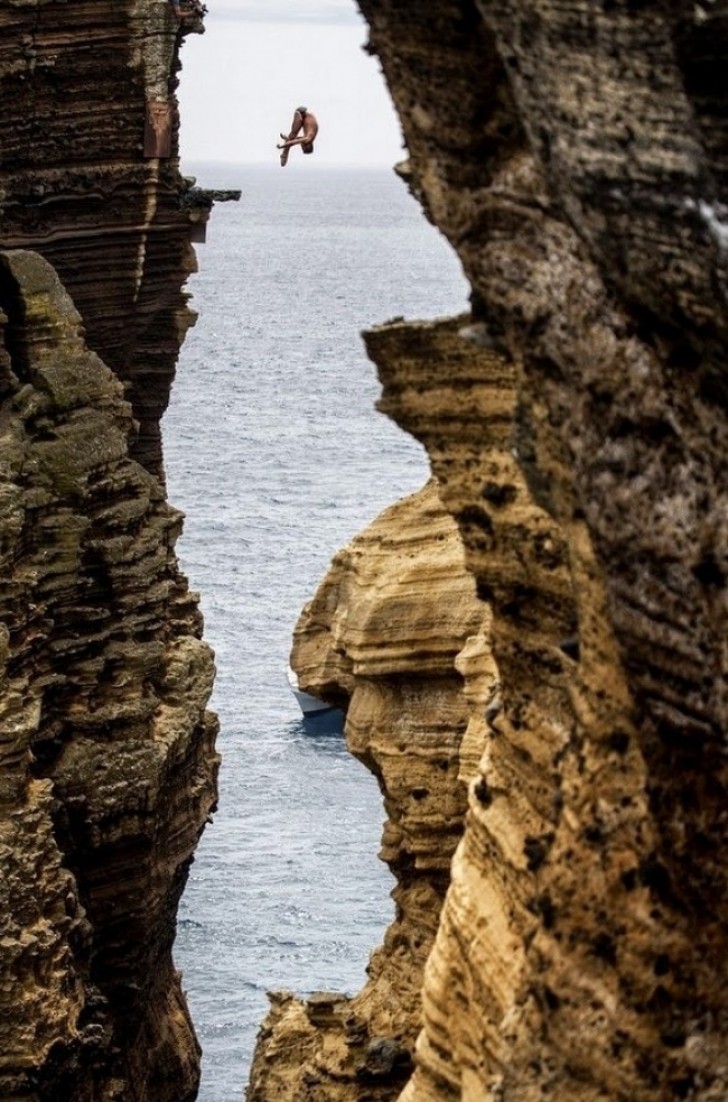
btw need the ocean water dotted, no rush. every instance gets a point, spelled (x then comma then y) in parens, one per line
(277, 456)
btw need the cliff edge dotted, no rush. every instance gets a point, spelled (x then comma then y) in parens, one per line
(108, 761)
(575, 157)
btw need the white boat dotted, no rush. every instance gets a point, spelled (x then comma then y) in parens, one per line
(309, 705)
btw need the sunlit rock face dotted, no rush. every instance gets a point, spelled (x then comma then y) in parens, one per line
(540, 805)
(381, 636)
(575, 157)
(108, 763)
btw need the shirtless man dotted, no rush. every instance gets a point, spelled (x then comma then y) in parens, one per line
(303, 120)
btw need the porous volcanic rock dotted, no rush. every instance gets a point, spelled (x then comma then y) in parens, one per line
(108, 770)
(380, 637)
(108, 762)
(575, 157)
(77, 185)
(574, 154)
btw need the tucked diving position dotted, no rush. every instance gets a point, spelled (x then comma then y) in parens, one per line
(304, 129)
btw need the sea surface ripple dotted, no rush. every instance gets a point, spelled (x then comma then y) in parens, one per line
(275, 452)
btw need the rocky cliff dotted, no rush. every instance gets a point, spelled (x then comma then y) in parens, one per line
(95, 188)
(108, 762)
(575, 157)
(546, 715)
(380, 637)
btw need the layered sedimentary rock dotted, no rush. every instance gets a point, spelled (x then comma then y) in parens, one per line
(108, 763)
(380, 637)
(540, 803)
(89, 178)
(574, 155)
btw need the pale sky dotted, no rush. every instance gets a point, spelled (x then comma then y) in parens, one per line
(259, 59)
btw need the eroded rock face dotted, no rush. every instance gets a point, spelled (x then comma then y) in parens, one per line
(76, 185)
(542, 803)
(574, 155)
(108, 763)
(108, 770)
(380, 637)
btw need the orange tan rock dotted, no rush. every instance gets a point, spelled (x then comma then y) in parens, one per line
(380, 636)
(574, 156)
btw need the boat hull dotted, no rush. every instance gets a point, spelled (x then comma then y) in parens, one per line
(309, 705)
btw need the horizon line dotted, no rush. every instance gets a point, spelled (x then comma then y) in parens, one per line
(389, 167)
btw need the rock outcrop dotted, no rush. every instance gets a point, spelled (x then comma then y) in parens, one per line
(89, 178)
(380, 637)
(108, 762)
(573, 910)
(575, 157)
